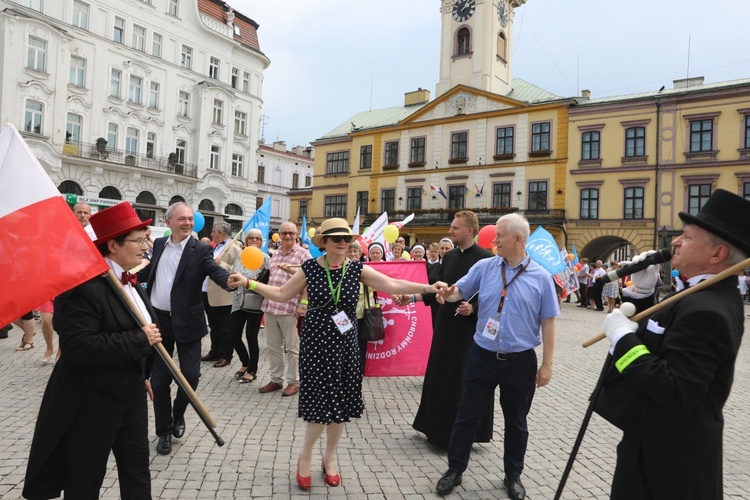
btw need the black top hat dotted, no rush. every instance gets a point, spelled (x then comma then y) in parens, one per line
(727, 216)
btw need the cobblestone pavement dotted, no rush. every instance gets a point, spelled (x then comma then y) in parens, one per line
(380, 455)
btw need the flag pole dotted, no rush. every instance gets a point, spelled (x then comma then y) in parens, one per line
(179, 378)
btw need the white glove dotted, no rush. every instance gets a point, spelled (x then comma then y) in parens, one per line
(644, 282)
(616, 326)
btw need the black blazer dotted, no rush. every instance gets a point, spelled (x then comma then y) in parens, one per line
(104, 349)
(197, 262)
(672, 398)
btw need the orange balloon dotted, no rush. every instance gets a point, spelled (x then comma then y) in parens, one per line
(628, 283)
(252, 258)
(571, 257)
(275, 237)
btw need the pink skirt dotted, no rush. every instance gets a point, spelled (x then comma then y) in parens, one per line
(47, 307)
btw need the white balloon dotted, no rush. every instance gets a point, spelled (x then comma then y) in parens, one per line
(628, 309)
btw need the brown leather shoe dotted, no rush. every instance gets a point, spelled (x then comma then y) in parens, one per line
(222, 363)
(270, 387)
(290, 390)
(209, 357)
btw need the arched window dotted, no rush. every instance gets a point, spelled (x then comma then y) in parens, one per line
(502, 47)
(463, 42)
(70, 187)
(110, 193)
(206, 205)
(176, 199)
(145, 198)
(233, 209)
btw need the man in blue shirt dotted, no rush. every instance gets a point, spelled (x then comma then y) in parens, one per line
(516, 298)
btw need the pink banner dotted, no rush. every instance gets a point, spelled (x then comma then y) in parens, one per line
(408, 329)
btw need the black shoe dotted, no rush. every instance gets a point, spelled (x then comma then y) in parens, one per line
(178, 427)
(450, 480)
(164, 446)
(516, 491)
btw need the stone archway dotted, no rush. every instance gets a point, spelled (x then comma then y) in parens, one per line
(606, 246)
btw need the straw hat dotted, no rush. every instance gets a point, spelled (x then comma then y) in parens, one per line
(115, 221)
(333, 227)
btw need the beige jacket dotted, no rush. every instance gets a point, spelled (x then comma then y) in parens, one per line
(217, 296)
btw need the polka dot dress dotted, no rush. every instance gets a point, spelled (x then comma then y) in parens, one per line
(330, 379)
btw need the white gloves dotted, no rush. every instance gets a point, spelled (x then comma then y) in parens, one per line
(616, 326)
(644, 282)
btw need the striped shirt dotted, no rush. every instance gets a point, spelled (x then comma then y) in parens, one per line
(296, 256)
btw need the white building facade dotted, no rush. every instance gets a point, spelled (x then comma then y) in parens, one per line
(281, 171)
(147, 101)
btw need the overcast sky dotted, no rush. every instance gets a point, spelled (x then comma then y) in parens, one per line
(331, 59)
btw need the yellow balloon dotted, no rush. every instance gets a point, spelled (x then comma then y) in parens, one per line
(311, 232)
(275, 237)
(572, 257)
(390, 233)
(405, 255)
(252, 258)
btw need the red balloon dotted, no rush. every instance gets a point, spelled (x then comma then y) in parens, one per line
(486, 237)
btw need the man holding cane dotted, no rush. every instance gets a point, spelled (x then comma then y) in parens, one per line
(671, 373)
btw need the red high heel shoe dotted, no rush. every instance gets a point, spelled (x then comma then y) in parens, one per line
(330, 480)
(304, 482)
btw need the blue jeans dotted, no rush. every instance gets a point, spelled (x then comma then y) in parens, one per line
(517, 381)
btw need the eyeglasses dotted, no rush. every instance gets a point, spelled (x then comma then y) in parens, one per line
(139, 241)
(288, 233)
(337, 239)
(254, 238)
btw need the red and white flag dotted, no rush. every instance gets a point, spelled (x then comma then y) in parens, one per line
(45, 250)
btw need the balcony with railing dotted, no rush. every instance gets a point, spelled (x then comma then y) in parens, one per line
(100, 152)
(444, 216)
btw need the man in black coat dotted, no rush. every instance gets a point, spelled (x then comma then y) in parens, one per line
(671, 373)
(175, 278)
(453, 335)
(95, 400)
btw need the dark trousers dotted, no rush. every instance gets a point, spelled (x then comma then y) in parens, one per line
(218, 321)
(517, 381)
(251, 321)
(190, 366)
(106, 422)
(628, 481)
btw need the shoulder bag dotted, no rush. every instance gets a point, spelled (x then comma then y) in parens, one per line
(372, 321)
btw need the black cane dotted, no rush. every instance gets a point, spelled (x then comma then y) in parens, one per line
(179, 379)
(584, 425)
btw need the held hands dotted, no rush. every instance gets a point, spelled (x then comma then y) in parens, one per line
(152, 333)
(236, 280)
(644, 282)
(617, 325)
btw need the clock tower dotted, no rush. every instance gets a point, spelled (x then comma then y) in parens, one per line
(476, 44)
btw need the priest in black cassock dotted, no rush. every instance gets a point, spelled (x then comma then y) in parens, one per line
(452, 336)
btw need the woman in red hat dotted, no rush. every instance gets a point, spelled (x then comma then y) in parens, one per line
(95, 401)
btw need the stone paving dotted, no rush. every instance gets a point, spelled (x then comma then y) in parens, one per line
(380, 455)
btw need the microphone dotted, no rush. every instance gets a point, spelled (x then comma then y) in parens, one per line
(660, 256)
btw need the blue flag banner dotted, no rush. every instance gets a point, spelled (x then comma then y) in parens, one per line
(304, 237)
(261, 220)
(544, 251)
(575, 261)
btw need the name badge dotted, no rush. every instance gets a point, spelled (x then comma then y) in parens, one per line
(491, 329)
(342, 321)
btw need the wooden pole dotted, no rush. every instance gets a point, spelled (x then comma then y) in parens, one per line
(179, 378)
(734, 270)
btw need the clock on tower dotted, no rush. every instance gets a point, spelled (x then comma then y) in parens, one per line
(464, 9)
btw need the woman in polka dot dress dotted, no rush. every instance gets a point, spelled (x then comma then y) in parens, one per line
(331, 384)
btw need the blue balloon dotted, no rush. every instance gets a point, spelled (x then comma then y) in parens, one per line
(198, 222)
(675, 272)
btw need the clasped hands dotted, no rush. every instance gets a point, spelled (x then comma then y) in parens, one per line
(236, 280)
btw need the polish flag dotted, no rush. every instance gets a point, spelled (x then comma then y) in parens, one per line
(45, 250)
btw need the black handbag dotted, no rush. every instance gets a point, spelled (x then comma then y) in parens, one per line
(372, 321)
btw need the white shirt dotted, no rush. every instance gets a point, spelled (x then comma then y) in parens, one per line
(90, 231)
(161, 293)
(217, 250)
(132, 293)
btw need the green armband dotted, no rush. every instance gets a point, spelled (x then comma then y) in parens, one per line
(630, 356)
(303, 302)
(252, 285)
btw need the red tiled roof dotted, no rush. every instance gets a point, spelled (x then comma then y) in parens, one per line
(218, 9)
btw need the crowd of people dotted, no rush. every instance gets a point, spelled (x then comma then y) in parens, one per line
(490, 310)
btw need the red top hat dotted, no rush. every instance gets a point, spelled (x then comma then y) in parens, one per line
(116, 221)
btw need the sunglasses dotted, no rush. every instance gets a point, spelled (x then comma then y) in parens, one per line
(337, 239)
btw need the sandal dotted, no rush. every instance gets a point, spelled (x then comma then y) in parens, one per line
(25, 346)
(240, 373)
(247, 378)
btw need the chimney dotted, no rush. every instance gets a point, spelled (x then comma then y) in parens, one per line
(586, 94)
(684, 83)
(419, 96)
(279, 145)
